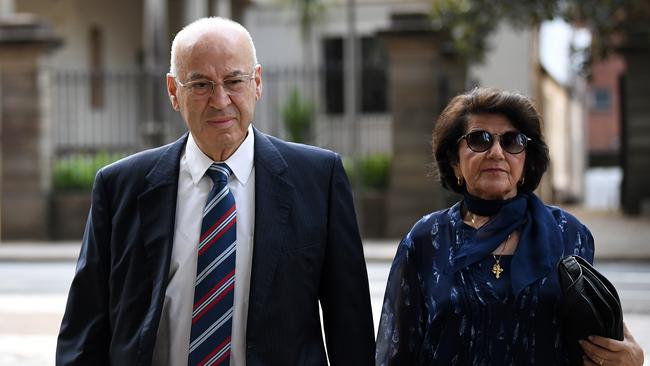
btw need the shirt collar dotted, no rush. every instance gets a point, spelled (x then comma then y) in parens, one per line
(240, 162)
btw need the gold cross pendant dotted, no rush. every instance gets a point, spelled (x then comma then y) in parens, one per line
(496, 269)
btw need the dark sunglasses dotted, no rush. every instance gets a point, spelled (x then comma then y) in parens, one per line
(512, 142)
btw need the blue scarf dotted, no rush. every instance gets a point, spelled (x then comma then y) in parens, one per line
(539, 245)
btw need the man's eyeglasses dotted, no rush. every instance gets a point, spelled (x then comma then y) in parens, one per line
(204, 88)
(512, 142)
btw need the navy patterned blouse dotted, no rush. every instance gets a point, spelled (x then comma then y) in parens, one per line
(434, 316)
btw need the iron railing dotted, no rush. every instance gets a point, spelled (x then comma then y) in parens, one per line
(89, 112)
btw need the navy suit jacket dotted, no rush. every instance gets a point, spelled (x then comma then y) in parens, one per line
(306, 248)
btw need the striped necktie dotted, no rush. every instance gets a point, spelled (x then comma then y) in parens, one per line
(215, 275)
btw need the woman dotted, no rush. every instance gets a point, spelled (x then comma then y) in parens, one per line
(476, 283)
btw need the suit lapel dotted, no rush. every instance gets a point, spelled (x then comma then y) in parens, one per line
(157, 209)
(273, 199)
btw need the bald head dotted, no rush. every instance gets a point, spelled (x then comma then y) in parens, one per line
(213, 30)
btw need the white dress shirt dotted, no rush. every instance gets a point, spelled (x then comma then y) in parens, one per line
(173, 338)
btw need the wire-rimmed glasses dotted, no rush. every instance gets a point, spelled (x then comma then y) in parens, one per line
(204, 88)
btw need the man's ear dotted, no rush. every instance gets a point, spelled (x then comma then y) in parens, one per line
(258, 81)
(172, 91)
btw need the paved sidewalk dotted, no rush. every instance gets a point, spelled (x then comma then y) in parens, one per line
(39, 251)
(617, 237)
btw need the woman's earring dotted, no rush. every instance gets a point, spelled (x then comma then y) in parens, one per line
(521, 182)
(459, 180)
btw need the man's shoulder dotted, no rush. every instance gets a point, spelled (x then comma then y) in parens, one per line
(287, 148)
(300, 158)
(140, 163)
(134, 163)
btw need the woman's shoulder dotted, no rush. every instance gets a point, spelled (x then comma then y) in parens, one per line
(564, 218)
(444, 216)
(577, 237)
(433, 223)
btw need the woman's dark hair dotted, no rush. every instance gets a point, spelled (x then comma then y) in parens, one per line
(519, 111)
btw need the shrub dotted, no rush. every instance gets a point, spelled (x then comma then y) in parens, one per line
(298, 115)
(77, 172)
(375, 171)
(372, 170)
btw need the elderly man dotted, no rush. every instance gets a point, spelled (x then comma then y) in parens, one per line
(216, 249)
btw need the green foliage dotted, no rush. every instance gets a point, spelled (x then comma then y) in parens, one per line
(298, 115)
(608, 20)
(373, 171)
(471, 21)
(348, 166)
(309, 12)
(77, 172)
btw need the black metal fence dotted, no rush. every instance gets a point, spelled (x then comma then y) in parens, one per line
(89, 112)
(94, 119)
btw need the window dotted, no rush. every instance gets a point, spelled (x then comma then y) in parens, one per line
(601, 100)
(333, 51)
(373, 79)
(96, 67)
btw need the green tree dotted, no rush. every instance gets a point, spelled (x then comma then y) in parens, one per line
(610, 21)
(309, 12)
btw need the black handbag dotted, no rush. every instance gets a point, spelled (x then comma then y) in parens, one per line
(590, 305)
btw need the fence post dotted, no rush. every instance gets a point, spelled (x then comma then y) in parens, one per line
(635, 118)
(423, 77)
(23, 140)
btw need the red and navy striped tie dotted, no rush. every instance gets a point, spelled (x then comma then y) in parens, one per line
(215, 275)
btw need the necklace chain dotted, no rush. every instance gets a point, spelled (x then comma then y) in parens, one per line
(496, 268)
(472, 218)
